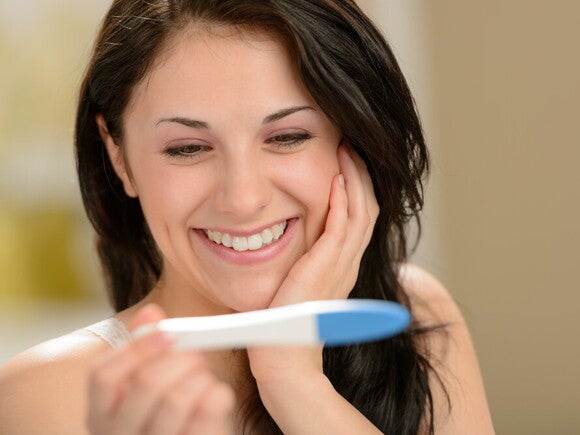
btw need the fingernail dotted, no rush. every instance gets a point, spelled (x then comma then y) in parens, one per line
(341, 179)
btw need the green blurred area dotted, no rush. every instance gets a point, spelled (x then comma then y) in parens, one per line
(45, 248)
(37, 259)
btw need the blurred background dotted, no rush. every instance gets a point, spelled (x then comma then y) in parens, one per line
(497, 84)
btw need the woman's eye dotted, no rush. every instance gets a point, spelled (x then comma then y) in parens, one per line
(288, 141)
(185, 151)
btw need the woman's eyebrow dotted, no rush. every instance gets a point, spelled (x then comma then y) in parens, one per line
(285, 112)
(188, 122)
(194, 123)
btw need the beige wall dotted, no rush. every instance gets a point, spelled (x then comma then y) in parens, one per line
(504, 111)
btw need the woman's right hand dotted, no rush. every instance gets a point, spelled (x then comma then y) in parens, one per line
(146, 387)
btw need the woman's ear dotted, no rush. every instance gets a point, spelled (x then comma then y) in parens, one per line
(117, 157)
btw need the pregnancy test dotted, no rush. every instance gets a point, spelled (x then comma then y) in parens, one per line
(332, 323)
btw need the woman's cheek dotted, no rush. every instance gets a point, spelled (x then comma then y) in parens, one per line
(307, 177)
(170, 193)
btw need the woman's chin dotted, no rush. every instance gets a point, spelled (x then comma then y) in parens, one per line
(250, 295)
(259, 301)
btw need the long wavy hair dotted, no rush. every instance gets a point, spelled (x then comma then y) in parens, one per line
(351, 72)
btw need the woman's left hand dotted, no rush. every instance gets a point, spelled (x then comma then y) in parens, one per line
(327, 271)
(330, 269)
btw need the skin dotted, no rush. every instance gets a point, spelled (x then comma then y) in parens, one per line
(246, 175)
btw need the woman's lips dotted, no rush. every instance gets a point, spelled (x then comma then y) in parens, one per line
(249, 257)
(248, 241)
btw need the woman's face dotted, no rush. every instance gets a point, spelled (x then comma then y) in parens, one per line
(232, 162)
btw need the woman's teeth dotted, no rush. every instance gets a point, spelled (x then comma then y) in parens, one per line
(250, 243)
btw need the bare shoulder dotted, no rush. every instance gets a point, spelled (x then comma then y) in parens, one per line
(451, 354)
(42, 390)
(430, 300)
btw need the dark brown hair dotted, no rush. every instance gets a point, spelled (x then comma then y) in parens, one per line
(351, 72)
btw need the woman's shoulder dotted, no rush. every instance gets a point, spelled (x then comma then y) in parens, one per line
(44, 387)
(434, 310)
(450, 353)
(430, 301)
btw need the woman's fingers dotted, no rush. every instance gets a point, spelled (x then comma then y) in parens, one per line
(198, 402)
(149, 387)
(368, 204)
(330, 268)
(354, 187)
(362, 211)
(372, 205)
(213, 414)
(177, 407)
(150, 313)
(348, 216)
(362, 205)
(110, 376)
(327, 249)
(337, 219)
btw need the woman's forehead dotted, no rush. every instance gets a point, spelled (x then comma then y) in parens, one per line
(221, 67)
(202, 42)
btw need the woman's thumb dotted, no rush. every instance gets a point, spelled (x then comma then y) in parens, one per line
(150, 313)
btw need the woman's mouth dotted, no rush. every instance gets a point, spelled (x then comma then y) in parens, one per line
(249, 247)
(251, 242)
(246, 248)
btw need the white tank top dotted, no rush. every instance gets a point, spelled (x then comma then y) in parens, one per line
(111, 330)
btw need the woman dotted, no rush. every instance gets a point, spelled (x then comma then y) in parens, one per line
(240, 155)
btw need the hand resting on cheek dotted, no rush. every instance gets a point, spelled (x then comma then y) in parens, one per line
(328, 271)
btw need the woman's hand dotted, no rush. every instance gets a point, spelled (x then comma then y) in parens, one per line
(147, 387)
(330, 269)
(290, 380)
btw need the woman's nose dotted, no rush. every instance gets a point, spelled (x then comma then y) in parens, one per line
(244, 190)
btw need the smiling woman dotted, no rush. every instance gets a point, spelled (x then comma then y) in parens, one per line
(239, 152)
(242, 155)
